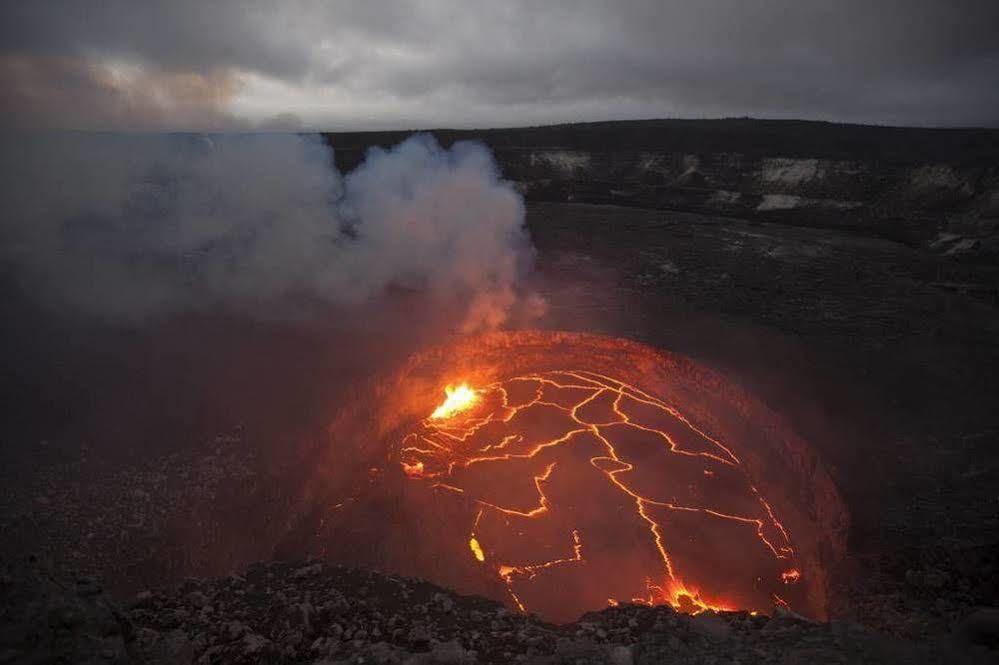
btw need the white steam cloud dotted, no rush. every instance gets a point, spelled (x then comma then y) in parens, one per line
(131, 227)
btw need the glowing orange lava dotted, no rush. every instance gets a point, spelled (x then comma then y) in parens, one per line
(473, 544)
(458, 399)
(574, 473)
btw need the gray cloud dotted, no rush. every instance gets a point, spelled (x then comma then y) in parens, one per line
(52, 91)
(432, 63)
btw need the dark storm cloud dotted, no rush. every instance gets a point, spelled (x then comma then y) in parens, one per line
(169, 34)
(359, 64)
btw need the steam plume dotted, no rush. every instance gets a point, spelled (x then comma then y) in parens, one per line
(132, 227)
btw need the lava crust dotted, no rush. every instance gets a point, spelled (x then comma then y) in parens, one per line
(561, 473)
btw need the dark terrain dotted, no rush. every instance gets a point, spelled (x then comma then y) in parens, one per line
(845, 275)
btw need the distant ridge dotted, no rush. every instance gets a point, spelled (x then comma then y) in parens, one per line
(747, 136)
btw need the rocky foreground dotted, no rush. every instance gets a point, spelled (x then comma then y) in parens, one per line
(311, 612)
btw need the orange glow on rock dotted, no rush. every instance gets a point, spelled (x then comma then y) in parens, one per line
(690, 601)
(791, 576)
(414, 470)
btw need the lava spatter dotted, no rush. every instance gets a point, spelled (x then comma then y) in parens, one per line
(589, 491)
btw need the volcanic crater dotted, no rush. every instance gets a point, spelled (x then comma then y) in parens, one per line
(844, 384)
(564, 472)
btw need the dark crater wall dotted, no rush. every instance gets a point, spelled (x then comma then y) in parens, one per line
(937, 188)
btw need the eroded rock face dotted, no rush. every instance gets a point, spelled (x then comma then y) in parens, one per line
(899, 183)
(913, 202)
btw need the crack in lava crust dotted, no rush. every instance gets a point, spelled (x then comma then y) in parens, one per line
(588, 486)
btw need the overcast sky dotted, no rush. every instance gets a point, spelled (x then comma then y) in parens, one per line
(283, 64)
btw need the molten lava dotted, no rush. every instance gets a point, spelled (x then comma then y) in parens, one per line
(589, 491)
(458, 399)
(637, 475)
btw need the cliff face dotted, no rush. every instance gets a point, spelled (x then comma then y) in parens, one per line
(937, 189)
(950, 208)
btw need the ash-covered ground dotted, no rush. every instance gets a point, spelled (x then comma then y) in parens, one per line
(876, 338)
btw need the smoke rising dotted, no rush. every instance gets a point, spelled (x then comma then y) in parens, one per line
(137, 227)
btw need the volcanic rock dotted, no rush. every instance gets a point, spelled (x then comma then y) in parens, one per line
(360, 616)
(53, 617)
(982, 626)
